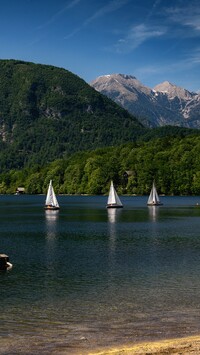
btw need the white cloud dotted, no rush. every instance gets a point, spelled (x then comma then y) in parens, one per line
(136, 36)
(195, 56)
(186, 16)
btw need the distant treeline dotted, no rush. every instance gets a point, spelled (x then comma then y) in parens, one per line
(173, 162)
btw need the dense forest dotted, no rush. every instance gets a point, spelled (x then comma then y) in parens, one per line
(173, 162)
(47, 113)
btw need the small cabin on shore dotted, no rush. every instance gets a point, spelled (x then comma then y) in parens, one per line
(20, 191)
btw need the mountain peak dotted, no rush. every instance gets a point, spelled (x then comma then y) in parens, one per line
(121, 84)
(173, 91)
(166, 86)
(164, 105)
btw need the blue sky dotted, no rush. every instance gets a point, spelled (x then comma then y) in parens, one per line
(154, 40)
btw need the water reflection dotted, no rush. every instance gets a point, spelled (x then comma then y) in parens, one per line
(112, 214)
(51, 223)
(113, 218)
(153, 213)
(51, 218)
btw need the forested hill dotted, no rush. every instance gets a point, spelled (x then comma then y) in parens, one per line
(48, 112)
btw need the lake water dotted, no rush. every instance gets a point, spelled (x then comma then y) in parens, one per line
(86, 277)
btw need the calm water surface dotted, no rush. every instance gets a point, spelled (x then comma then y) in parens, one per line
(87, 277)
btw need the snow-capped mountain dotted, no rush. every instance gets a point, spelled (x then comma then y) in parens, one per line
(165, 104)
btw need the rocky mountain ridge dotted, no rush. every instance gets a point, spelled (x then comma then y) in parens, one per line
(165, 104)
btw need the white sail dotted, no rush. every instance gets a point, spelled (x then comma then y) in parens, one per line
(51, 199)
(113, 198)
(153, 197)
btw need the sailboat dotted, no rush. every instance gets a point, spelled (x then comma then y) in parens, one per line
(153, 199)
(51, 202)
(113, 198)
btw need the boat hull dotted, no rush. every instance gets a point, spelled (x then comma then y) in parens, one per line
(52, 208)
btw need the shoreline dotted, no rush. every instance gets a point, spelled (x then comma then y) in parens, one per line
(177, 346)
